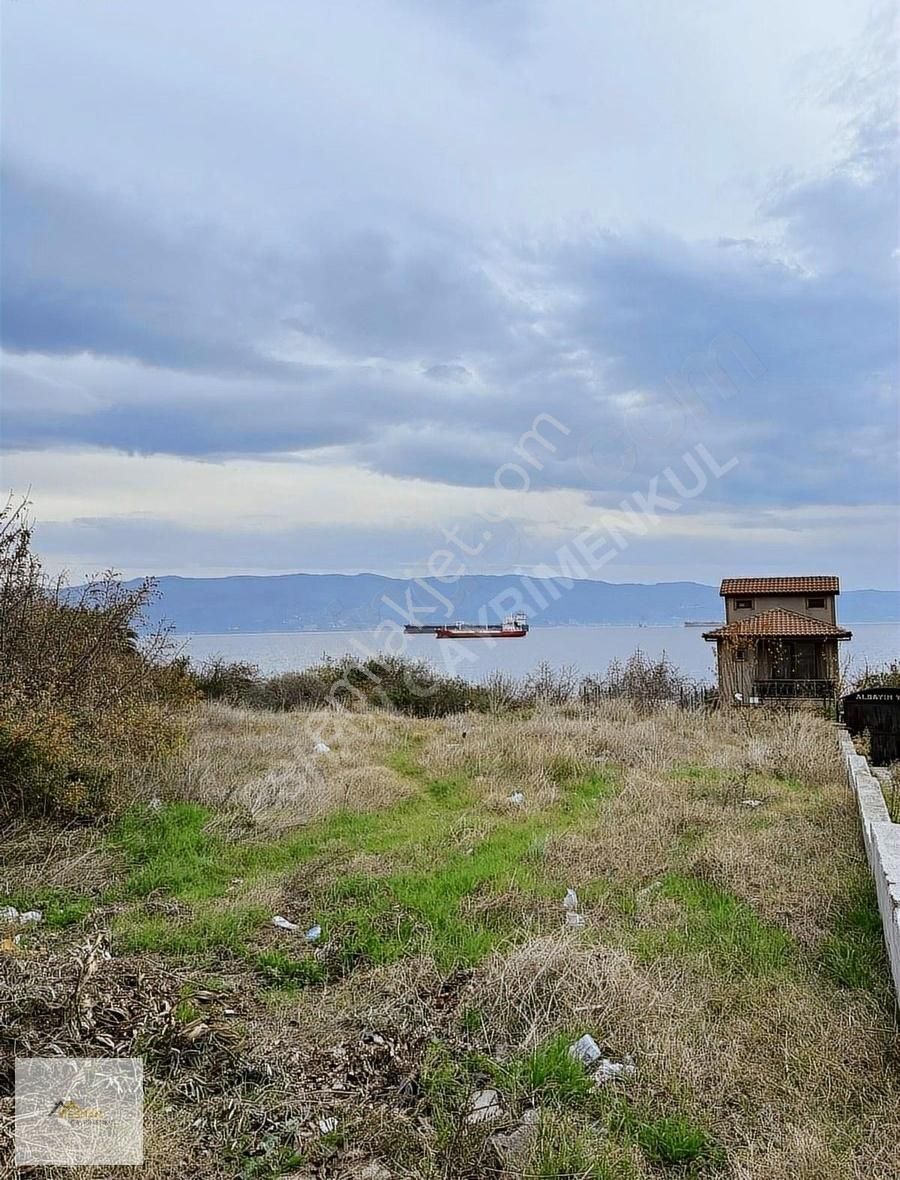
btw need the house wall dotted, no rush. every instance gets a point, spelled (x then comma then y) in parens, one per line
(736, 675)
(793, 602)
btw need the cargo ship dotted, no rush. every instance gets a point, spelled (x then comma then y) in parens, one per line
(512, 627)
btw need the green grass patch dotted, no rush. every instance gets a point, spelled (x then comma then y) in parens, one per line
(853, 954)
(549, 1075)
(286, 972)
(566, 1151)
(430, 904)
(716, 924)
(60, 907)
(698, 774)
(204, 932)
(169, 850)
(675, 1140)
(420, 909)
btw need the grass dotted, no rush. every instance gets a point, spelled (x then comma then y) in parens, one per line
(735, 954)
(853, 954)
(722, 930)
(675, 1140)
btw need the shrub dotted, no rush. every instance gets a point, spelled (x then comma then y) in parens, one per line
(83, 702)
(643, 681)
(883, 676)
(234, 683)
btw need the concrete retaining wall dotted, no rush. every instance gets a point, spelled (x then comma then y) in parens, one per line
(882, 842)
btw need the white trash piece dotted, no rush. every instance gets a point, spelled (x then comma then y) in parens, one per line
(752, 802)
(570, 901)
(322, 748)
(484, 1107)
(313, 934)
(155, 803)
(328, 1126)
(611, 1071)
(284, 924)
(574, 921)
(8, 915)
(586, 1050)
(30, 917)
(516, 797)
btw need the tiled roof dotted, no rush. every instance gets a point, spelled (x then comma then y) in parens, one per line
(778, 624)
(818, 584)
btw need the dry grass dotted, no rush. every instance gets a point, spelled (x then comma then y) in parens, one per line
(264, 766)
(728, 948)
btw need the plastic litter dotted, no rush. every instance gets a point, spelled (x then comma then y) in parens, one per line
(570, 901)
(10, 916)
(610, 1071)
(484, 1107)
(283, 923)
(327, 1126)
(752, 802)
(586, 1050)
(516, 797)
(313, 934)
(322, 748)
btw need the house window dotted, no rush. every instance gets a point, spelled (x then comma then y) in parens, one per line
(743, 604)
(815, 603)
(796, 659)
(741, 653)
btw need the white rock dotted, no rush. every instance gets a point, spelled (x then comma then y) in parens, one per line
(484, 1107)
(30, 917)
(322, 748)
(516, 797)
(8, 914)
(574, 921)
(283, 923)
(586, 1050)
(570, 901)
(313, 934)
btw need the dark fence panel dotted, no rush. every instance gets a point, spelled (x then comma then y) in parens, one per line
(878, 711)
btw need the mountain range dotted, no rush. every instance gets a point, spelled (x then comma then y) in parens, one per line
(325, 602)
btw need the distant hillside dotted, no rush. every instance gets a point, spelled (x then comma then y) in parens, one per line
(323, 602)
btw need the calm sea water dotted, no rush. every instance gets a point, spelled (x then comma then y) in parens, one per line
(587, 649)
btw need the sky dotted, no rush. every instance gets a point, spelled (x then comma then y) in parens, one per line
(286, 285)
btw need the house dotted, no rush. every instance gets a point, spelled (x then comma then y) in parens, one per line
(780, 640)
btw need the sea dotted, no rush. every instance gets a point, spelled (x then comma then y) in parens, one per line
(587, 650)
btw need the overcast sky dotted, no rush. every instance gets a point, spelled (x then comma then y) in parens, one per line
(285, 282)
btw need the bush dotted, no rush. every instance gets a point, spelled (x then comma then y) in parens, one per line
(235, 683)
(84, 704)
(643, 681)
(417, 690)
(885, 676)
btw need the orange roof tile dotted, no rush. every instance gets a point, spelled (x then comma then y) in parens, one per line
(816, 584)
(778, 624)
